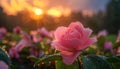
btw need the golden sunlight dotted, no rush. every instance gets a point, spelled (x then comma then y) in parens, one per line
(38, 11)
(54, 12)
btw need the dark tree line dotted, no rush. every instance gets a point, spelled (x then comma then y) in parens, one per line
(112, 17)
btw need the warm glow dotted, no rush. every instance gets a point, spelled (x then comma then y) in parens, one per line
(66, 12)
(35, 8)
(54, 12)
(39, 3)
(38, 11)
(58, 11)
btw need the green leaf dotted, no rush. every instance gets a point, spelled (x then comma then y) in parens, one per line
(33, 58)
(116, 45)
(61, 65)
(4, 57)
(116, 65)
(92, 50)
(100, 42)
(25, 51)
(13, 67)
(48, 58)
(15, 37)
(115, 61)
(38, 45)
(111, 38)
(95, 62)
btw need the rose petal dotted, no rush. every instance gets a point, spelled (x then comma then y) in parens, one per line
(13, 53)
(60, 47)
(59, 32)
(69, 57)
(25, 36)
(89, 42)
(87, 32)
(78, 26)
(22, 44)
(71, 44)
(75, 24)
(71, 34)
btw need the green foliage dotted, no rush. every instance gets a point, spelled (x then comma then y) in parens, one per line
(116, 65)
(46, 58)
(15, 37)
(4, 57)
(2, 44)
(38, 45)
(111, 38)
(100, 42)
(101, 62)
(25, 52)
(116, 45)
(95, 62)
(33, 58)
(61, 65)
(115, 61)
(44, 44)
(91, 50)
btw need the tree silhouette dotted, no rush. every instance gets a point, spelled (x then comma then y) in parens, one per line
(112, 18)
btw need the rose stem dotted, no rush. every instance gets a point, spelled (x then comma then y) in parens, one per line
(79, 63)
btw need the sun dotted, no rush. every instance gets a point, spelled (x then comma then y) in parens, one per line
(38, 11)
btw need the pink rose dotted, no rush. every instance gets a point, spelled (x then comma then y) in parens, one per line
(108, 45)
(13, 53)
(26, 41)
(102, 33)
(43, 32)
(3, 65)
(118, 38)
(3, 33)
(70, 41)
(17, 30)
(51, 34)
(35, 37)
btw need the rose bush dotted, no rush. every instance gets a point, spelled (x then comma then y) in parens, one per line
(42, 49)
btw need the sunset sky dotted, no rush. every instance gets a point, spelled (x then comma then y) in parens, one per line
(12, 7)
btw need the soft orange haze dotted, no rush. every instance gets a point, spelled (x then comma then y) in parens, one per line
(35, 7)
(55, 8)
